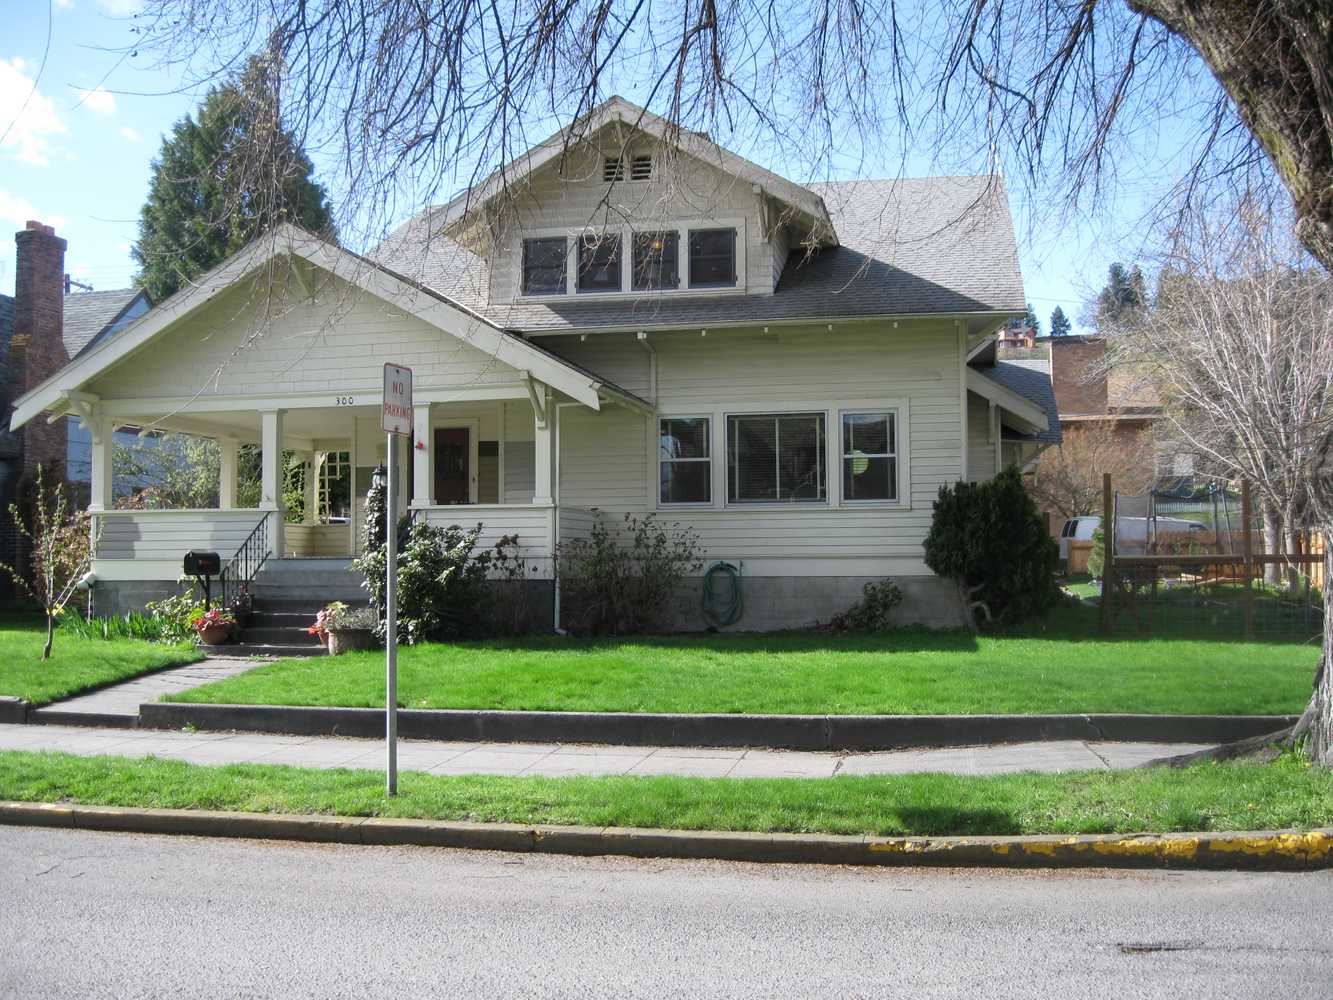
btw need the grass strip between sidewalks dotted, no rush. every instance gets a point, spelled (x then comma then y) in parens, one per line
(1209, 797)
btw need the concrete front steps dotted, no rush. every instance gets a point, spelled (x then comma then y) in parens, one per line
(287, 594)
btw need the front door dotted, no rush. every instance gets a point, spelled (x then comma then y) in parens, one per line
(453, 461)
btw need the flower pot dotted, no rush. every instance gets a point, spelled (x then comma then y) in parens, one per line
(213, 635)
(345, 640)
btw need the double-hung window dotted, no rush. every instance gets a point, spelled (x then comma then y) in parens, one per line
(656, 261)
(776, 458)
(599, 264)
(544, 264)
(685, 466)
(712, 258)
(869, 456)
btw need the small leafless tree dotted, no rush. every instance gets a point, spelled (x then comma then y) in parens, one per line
(1068, 479)
(61, 551)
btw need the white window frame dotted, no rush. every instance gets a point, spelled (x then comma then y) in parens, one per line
(682, 229)
(896, 455)
(770, 411)
(712, 449)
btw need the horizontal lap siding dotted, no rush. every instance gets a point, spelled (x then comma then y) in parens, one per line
(532, 525)
(338, 344)
(606, 460)
(317, 540)
(170, 534)
(980, 450)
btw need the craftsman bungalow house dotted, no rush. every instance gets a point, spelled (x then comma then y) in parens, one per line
(628, 319)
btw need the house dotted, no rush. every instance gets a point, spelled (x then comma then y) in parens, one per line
(626, 319)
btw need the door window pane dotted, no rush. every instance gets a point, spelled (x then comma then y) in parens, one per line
(599, 264)
(776, 458)
(684, 460)
(712, 258)
(656, 261)
(869, 456)
(544, 266)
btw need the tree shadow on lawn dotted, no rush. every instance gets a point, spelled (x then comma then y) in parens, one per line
(941, 821)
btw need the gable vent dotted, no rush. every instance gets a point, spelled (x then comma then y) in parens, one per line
(613, 169)
(641, 168)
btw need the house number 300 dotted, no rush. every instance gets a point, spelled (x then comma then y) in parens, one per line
(344, 400)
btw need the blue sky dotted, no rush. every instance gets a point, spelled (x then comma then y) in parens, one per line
(78, 148)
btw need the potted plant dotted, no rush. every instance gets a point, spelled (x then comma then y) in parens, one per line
(351, 628)
(323, 618)
(214, 627)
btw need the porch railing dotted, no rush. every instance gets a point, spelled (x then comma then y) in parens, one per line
(241, 569)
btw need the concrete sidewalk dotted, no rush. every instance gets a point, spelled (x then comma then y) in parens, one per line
(123, 700)
(551, 759)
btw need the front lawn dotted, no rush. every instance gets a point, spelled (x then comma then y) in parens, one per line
(1061, 666)
(1204, 797)
(76, 664)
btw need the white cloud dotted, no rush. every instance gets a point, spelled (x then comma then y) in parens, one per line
(121, 8)
(17, 211)
(99, 100)
(129, 135)
(28, 118)
(64, 4)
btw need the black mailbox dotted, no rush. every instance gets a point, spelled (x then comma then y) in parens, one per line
(202, 564)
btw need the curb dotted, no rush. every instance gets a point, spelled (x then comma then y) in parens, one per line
(780, 732)
(13, 711)
(1269, 850)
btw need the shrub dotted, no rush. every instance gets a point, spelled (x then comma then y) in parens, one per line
(623, 582)
(1097, 557)
(990, 538)
(174, 616)
(873, 611)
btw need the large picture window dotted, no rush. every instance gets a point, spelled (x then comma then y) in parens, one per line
(599, 264)
(685, 460)
(712, 258)
(544, 266)
(869, 456)
(656, 261)
(776, 458)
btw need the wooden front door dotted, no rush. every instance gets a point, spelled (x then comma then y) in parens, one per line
(453, 465)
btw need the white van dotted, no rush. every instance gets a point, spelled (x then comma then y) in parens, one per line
(1132, 530)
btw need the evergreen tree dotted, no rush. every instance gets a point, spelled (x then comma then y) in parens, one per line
(1059, 323)
(1031, 322)
(1123, 295)
(212, 189)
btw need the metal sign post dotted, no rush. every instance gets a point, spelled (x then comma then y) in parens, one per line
(396, 419)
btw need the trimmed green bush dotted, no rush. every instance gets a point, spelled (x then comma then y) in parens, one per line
(991, 539)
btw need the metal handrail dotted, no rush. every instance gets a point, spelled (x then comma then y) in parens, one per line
(242, 568)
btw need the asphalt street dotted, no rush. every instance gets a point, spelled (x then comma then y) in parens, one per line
(117, 915)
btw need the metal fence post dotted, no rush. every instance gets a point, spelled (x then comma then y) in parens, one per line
(1247, 553)
(1108, 551)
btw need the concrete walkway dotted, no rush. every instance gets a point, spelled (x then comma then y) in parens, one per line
(124, 699)
(554, 759)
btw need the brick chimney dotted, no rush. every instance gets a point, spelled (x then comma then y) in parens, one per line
(37, 350)
(1073, 362)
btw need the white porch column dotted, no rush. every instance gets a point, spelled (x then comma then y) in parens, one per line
(312, 464)
(544, 463)
(423, 457)
(102, 477)
(271, 479)
(227, 451)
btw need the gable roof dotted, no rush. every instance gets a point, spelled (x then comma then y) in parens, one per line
(613, 110)
(908, 247)
(87, 314)
(1031, 379)
(377, 279)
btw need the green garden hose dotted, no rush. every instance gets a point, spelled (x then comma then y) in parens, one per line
(722, 608)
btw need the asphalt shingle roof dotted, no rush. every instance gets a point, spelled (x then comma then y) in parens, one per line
(932, 245)
(1031, 379)
(89, 313)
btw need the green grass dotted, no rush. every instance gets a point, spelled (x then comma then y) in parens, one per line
(76, 664)
(1204, 797)
(1060, 666)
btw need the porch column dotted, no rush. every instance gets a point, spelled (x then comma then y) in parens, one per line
(271, 478)
(227, 451)
(102, 474)
(423, 458)
(544, 464)
(312, 464)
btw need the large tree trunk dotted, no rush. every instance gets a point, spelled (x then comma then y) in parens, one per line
(1272, 544)
(1275, 59)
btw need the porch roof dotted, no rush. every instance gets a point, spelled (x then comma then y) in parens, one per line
(65, 391)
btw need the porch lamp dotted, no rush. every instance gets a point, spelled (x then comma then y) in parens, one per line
(379, 477)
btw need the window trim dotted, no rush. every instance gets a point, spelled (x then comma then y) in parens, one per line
(813, 411)
(682, 228)
(712, 486)
(895, 455)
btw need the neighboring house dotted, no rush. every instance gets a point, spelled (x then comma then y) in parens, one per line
(636, 321)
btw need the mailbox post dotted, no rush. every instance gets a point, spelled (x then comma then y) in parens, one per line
(203, 566)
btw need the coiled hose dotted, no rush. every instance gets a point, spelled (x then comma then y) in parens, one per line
(722, 608)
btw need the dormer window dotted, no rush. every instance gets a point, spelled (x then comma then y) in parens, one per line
(712, 258)
(613, 169)
(641, 168)
(656, 261)
(599, 264)
(544, 264)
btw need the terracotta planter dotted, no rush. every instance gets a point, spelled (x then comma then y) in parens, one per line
(214, 635)
(344, 640)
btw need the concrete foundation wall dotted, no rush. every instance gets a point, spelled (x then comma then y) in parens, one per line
(115, 598)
